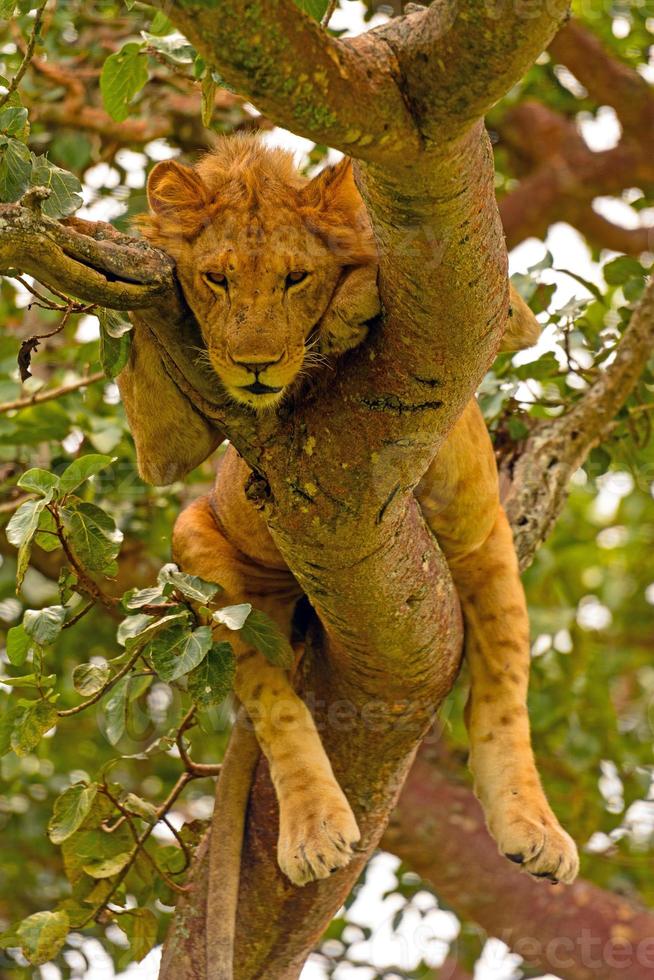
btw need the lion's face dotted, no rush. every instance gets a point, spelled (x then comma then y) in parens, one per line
(258, 285)
(259, 254)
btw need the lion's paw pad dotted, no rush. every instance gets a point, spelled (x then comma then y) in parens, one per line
(538, 844)
(315, 844)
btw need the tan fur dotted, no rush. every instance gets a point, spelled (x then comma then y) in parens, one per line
(245, 212)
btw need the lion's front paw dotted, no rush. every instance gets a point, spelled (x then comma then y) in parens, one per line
(536, 841)
(316, 838)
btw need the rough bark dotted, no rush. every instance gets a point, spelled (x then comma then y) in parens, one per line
(577, 932)
(345, 94)
(535, 488)
(89, 260)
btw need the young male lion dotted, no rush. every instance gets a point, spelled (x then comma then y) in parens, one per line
(273, 265)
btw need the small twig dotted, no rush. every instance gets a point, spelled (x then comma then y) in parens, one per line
(45, 396)
(50, 304)
(182, 843)
(86, 584)
(327, 16)
(76, 618)
(111, 828)
(27, 57)
(179, 786)
(31, 345)
(197, 769)
(67, 712)
(128, 815)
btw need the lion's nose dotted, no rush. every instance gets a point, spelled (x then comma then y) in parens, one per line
(256, 367)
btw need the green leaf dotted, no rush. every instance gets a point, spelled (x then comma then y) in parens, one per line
(39, 481)
(619, 270)
(106, 867)
(543, 367)
(174, 47)
(24, 522)
(633, 289)
(140, 925)
(30, 724)
(70, 811)
(91, 843)
(7, 8)
(44, 625)
(142, 627)
(213, 679)
(142, 808)
(233, 617)
(586, 283)
(42, 935)
(20, 532)
(47, 536)
(123, 75)
(13, 122)
(263, 633)
(93, 535)
(8, 716)
(115, 341)
(15, 169)
(18, 644)
(208, 98)
(65, 189)
(83, 469)
(143, 597)
(189, 585)
(133, 626)
(160, 24)
(314, 8)
(175, 652)
(30, 680)
(88, 679)
(115, 710)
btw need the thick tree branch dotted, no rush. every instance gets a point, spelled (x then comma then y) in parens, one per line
(89, 260)
(608, 80)
(459, 57)
(561, 175)
(577, 932)
(342, 94)
(602, 233)
(537, 483)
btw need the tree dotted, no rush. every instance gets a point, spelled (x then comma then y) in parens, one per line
(407, 101)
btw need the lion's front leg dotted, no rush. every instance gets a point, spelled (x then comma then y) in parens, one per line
(317, 829)
(354, 304)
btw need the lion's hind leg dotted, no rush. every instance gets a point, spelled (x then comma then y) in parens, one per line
(317, 829)
(501, 758)
(460, 500)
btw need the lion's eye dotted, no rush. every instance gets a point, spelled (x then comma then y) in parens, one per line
(216, 279)
(293, 278)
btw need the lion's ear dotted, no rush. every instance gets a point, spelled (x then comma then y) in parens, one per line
(177, 192)
(334, 209)
(333, 187)
(522, 329)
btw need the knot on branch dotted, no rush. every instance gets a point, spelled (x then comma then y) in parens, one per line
(33, 197)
